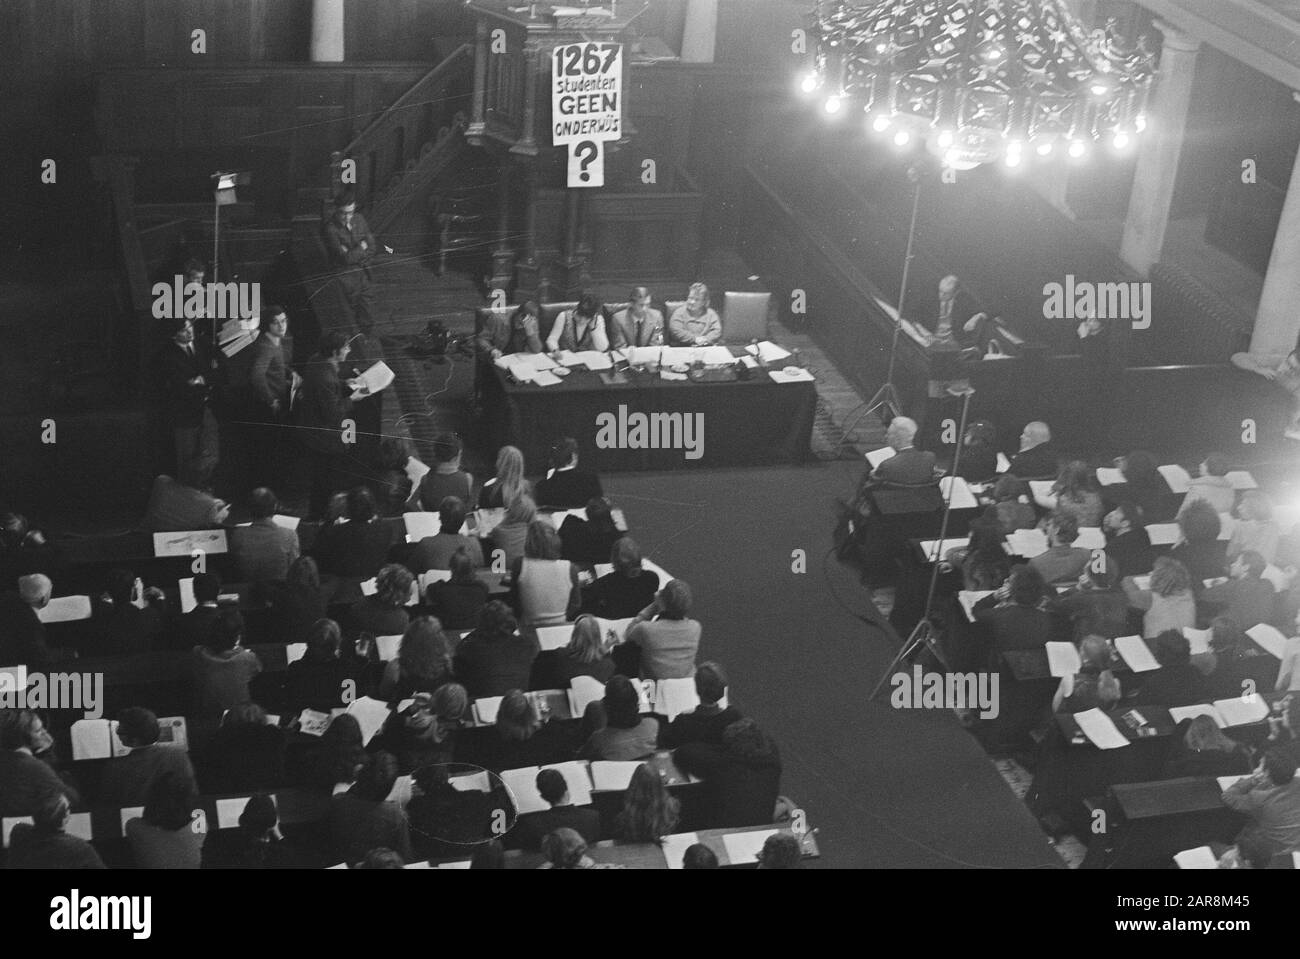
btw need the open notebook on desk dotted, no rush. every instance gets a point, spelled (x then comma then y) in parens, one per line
(522, 784)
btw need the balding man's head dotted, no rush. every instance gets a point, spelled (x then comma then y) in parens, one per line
(901, 432)
(35, 590)
(948, 286)
(1035, 434)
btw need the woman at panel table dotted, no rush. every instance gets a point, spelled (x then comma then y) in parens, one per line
(694, 323)
(581, 328)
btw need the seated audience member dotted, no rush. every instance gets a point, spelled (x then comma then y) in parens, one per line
(1201, 749)
(360, 546)
(547, 587)
(666, 635)
(173, 506)
(1288, 674)
(1270, 799)
(321, 678)
(742, 777)
(494, 657)
(423, 661)
(1075, 493)
(1037, 457)
(626, 590)
(1063, 560)
(979, 457)
(694, 323)
(1255, 529)
(263, 550)
(621, 732)
(1144, 486)
(1169, 603)
(259, 843)
(531, 827)
(245, 755)
(1247, 597)
(586, 655)
(457, 602)
(521, 738)
(124, 628)
(780, 851)
(22, 634)
(23, 550)
(649, 812)
(298, 602)
(435, 552)
(223, 668)
(1212, 486)
(488, 855)
(1096, 606)
(516, 333)
(381, 858)
(425, 731)
(126, 779)
(1236, 665)
(445, 478)
(27, 772)
(1200, 550)
(707, 721)
(588, 542)
(511, 533)
(1094, 686)
(1284, 729)
(383, 613)
(1177, 682)
(639, 324)
(192, 628)
(581, 328)
(44, 843)
(1016, 613)
(908, 466)
(1010, 507)
(333, 759)
(1127, 542)
(566, 849)
(566, 485)
(446, 823)
(165, 837)
(508, 484)
(699, 856)
(984, 563)
(362, 819)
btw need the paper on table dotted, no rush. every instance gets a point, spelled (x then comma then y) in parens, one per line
(522, 786)
(791, 374)
(935, 549)
(229, 811)
(568, 358)
(538, 361)
(553, 637)
(716, 356)
(374, 380)
(546, 378)
(1004, 464)
(127, 813)
(618, 626)
(91, 739)
(1179, 480)
(768, 352)
(670, 375)
(1136, 654)
(7, 826)
(65, 609)
(1199, 638)
(959, 490)
(578, 777)
(675, 696)
(675, 847)
(1202, 857)
(78, 825)
(583, 690)
(613, 776)
(595, 360)
(370, 714)
(1090, 537)
(876, 457)
(1268, 638)
(1241, 479)
(969, 597)
(188, 602)
(1179, 713)
(486, 709)
(1027, 543)
(420, 525)
(1062, 659)
(458, 864)
(1163, 534)
(1241, 712)
(314, 723)
(1097, 726)
(1109, 476)
(744, 847)
(1226, 781)
(479, 782)
(387, 647)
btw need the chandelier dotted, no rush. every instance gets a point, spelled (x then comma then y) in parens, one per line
(980, 80)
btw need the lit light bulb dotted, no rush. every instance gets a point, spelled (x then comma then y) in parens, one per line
(1121, 140)
(945, 139)
(809, 83)
(1077, 149)
(880, 124)
(1044, 148)
(901, 138)
(833, 104)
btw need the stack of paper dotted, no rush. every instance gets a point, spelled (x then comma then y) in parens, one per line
(374, 380)
(314, 723)
(1062, 659)
(1240, 711)
(666, 374)
(594, 360)
(969, 597)
(1097, 726)
(1179, 480)
(768, 352)
(1202, 857)
(1179, 713)
(1199, 638)
(1136, 653)
(65, 609)
(791, 374)
(716, 356)
(370, 714)
(1268, 639)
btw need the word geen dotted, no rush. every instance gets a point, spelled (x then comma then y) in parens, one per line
(653, 431)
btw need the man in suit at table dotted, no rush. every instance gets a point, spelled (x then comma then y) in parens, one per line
(638, 325)
(908, 466)
(531, 827)
(1037, 456)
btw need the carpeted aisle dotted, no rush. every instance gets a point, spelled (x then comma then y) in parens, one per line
(885, 788)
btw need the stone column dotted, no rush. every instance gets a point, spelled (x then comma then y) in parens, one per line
(1160, 146)
(701, 34)
(503, 254)
(327, 31)
(1277, 320)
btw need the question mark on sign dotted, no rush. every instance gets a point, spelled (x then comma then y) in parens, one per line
(586, 151)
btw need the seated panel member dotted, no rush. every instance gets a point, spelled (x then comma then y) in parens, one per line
(639, 324)
(694, 323)
(581, 328)
(517, 333)
(908, 465)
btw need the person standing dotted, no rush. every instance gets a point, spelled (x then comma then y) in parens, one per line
(187, 371)
(351, 246)
(323, 407)
(271, 385)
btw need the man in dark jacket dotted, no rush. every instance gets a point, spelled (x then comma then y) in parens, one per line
(351, 246)
(908, 466)
(43, 844)
(530, 828)
(322, 408)
(187, 371)
(1037, 457)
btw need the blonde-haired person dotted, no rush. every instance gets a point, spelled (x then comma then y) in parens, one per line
(587, 653)
(694, 323)
(1169, 603)
(508, 483)
(511, 533)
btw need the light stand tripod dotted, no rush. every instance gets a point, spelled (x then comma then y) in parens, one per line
(886, 398)
(924, 633)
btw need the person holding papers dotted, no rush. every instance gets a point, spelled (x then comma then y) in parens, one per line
(581, 328)
(1063, 560)
(1094, 686)
(1246, 598)
(446, 478)
(1127, 542)
(666, 636)
(360, 546)
(639, 324)
(1255, 529)
(495, 658)
(127, 779)
(532, 827)
(1037, 456)
(1169, 603)
(1212, 486)
(222, 669)
(322, 406)
(27, 771)
(707, 721)
(44, 843)
(383, 613)
(566, 485)
(1201, 550)
(165, 837)
(1016, 613)
(517, 333)
(1271, 800)
(649, 812)
(626, 590)
(1177, 682)
(362, 819)
(263, 550)
(620, 733)
(694, 323)
(508, 483)
(458, 601)
(908, 466)
(423, 662)
(1201, 749)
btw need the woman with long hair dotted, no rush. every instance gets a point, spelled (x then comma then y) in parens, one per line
(423, 661)
(650, 812)
(1201, 749)
(458, 601)
(510, 534)
(587, 653)
(164, 837)
(383, 613)
(547, 587)
(1075, 492)
(508, 484)
(1169, 603)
